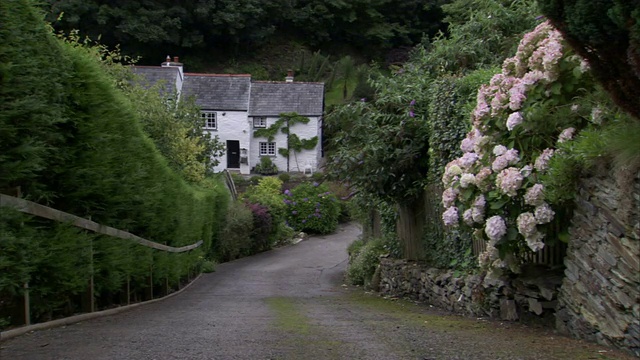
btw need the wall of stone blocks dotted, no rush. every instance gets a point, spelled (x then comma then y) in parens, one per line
(600, 295)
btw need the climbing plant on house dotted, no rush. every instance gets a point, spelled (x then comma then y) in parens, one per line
(294, 143)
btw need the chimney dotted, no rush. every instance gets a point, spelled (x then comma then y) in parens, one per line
(289, 77)
(175, 63)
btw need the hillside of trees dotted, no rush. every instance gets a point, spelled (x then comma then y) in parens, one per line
(221, 30)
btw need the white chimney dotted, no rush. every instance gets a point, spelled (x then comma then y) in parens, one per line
(289, 77)
(175, 63)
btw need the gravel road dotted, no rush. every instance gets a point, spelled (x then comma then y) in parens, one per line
(290, 303)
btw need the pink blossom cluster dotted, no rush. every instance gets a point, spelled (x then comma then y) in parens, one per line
(495, 228)
(492, 168)
(542, 162)
(509, 181)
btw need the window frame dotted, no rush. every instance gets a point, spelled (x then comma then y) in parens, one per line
(206, 115)
(269, 147)
(262, 119)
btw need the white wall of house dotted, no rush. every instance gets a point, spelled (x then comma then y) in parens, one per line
(233, 125)
(304, 158)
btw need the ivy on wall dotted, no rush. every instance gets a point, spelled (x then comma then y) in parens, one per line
(284, 124)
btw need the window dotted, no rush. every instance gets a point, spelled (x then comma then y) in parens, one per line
(259, 122)
(210, 121)
(267, 149)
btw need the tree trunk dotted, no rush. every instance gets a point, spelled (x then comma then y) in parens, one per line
(410, 227)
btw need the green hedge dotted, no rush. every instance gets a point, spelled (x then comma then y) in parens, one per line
(71, 141)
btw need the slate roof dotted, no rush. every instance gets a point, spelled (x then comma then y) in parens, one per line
(270, 98)
(218, 91)
(151, 75)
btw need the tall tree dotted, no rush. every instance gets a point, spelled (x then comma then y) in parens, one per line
(607, 34)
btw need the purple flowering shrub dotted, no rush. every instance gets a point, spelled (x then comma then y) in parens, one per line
(521, 116)
(262, 227)
(312, 208)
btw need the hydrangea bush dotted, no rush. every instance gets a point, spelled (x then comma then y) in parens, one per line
(521, 115)
(312, 208)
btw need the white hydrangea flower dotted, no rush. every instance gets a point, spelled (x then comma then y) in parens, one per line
(544, 214)
(499, 150)
(450, 216)
(466, 180)
(495, 228)
(526, 224)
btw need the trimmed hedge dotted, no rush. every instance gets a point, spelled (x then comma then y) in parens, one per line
(71, 141)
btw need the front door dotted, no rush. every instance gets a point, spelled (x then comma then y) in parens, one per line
(233, 154)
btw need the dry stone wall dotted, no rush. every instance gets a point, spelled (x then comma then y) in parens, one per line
(600, 295)
(530, 297)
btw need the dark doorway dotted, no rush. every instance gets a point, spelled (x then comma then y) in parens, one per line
(233, 154)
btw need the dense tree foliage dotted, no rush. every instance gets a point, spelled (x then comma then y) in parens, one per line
(154, 28)
(390, 147)
(607, 34)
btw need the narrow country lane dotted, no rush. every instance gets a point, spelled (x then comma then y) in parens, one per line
(290, 303)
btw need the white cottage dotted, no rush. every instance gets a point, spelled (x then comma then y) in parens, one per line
(234, 107)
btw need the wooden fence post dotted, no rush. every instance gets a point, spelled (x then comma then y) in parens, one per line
(151, 278)
(27, 305)
(92, 305)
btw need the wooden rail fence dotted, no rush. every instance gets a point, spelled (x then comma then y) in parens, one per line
(42, 211)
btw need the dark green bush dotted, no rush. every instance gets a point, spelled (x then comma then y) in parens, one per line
(312, 208)
(266, 167)
(284, 177)
(364, 259)
(235, 238)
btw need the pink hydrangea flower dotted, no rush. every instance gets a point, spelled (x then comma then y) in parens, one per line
(499, 150)
(468, 159)
(466, 180)
(467, 217)
(467, 144)
(526, 224)
(495, 228)
(534, 195)
(517, 96)
(449, 197)
(514, 120)
(477, 214)
(534, 241)
(499, 163)
(544, 214)
(566, 134)
(542, 162)
(509, 181)
(512, 156)
(526, 170)
(450, 217)
(480, 202)
(481, 178)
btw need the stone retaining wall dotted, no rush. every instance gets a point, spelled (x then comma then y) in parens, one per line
(600, 296)
(528, 297)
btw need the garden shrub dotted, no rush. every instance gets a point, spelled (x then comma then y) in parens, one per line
(364, 259)
(284, 177)
(312, 208)
(208, 266)
(263, 227)
(235, 238)
(268, 192)
(266, 166)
